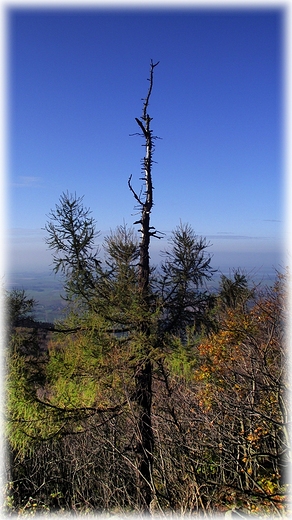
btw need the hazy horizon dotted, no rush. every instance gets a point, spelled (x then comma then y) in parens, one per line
(28, 252)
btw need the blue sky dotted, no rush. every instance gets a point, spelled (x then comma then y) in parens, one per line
(75, 82)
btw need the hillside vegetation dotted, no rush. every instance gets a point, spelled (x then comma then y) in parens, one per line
(219, 412)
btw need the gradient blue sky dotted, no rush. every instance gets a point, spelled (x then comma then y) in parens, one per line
(75, 82)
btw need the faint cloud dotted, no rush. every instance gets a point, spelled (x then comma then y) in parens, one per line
(271, 220)
(25, 235)
(25, 181)
(231, 236)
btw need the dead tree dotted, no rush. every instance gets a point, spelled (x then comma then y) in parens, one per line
(143, 376)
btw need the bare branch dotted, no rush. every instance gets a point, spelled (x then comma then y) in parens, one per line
(146, 103)
(133, 191)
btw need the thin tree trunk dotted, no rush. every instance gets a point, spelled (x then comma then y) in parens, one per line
(143, 378)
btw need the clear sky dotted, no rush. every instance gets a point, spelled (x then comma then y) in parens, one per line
(75, 83)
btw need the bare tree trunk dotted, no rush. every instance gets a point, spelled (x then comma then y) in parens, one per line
(143, 377)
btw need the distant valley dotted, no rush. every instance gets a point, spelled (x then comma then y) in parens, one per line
(47, 289)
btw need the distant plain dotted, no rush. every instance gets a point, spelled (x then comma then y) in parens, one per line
(47, 289)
